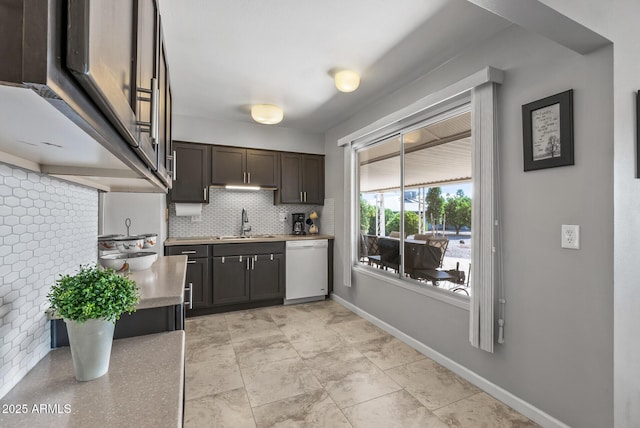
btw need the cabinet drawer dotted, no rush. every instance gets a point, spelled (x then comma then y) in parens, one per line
(248, 249)
(192, 251)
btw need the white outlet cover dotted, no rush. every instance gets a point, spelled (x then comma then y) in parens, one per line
(570, 236)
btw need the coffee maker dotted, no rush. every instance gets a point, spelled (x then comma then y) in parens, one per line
(298, 223)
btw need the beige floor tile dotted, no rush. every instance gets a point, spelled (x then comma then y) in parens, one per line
(326, 351)
(387, 352)
(331, 312)
(358, 330)
(398, 409)
(263, 350)
(205, 350)
(206, 324)
(228, 409)
(275, 381)
(245, 325)
(291, 313)
(432, 384)
(482, 410)
(213, 328)
(211, 377)
(313, 409)
(306, 329)
(355, 381)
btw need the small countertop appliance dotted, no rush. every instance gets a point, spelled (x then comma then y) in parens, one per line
(298, 223)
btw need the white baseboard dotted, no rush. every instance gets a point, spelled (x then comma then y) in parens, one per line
(490, 388)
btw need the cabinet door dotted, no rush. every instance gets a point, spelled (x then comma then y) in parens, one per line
(162, 105)
(290, 178)
(102, 56)
(228, 165)
(262, 168)
(147, 76)
(198, 280)
(313, 179)
(267, 276)
(192, 172)
(229, 280)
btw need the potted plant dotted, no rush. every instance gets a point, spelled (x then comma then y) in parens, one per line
(90, 302)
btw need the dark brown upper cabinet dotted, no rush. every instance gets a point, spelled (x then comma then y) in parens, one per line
(164, 149)
(301, 179)
(94, 61)
(125, 72)
(238, 166)
(191, 173)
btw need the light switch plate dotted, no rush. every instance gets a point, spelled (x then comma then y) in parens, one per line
(570, 236)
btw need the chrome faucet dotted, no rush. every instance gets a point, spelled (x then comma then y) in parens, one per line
(246, 227)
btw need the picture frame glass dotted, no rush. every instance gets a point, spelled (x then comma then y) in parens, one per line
(545, 132)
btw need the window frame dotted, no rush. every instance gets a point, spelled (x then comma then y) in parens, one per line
(487, 286)
(442, 111)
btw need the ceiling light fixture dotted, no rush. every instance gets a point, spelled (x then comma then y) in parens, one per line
(347, 80)
(267, 114)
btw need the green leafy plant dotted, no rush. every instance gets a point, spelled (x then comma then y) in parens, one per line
(94, 293)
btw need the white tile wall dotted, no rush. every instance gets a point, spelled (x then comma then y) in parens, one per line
(48, 228)
(222, 216)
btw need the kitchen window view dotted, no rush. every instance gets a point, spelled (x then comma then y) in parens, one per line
(415, 203)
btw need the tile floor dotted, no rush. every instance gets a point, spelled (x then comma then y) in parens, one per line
(321, 365)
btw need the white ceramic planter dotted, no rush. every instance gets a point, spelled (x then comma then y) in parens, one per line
(90, 343)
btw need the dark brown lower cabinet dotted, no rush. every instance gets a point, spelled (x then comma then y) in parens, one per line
(266, 278)
(248, 275)
(197, 284)
(230, 283)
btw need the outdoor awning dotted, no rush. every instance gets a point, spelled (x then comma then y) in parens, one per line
(435, 155)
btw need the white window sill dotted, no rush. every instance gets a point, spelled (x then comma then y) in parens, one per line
(445, 296)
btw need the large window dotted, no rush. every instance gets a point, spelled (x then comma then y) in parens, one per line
(412, 176)
(415, 200)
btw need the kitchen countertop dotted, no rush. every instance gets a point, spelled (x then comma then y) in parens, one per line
(143, 387)
(160, 285)
(205, 240)
(163, 283)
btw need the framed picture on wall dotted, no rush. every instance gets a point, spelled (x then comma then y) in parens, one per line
(547, 126)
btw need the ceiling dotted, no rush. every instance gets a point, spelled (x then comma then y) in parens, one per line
(226, 55)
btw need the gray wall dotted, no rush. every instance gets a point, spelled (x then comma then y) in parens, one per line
(558, 354)
(618, 21)
(227, 133)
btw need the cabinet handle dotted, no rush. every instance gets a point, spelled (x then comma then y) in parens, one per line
(305, 196)
(244, 177)
(190, 262)
(155, 110)
(174, 160)
(248, 178)
(205, 193)
(188, 252)
(301, 200)
(190, 290)
(248, 263)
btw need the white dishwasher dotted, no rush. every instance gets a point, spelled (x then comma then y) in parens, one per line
(307, 270)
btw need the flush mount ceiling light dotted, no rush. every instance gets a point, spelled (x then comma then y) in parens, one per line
(267, 114)
(347, 80)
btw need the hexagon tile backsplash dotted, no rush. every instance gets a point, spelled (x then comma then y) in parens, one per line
(222, 215)
(48, 227)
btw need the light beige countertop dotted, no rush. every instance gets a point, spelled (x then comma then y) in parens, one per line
(205, 240)
(163, 283)
(143, 387)
(160, 285)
